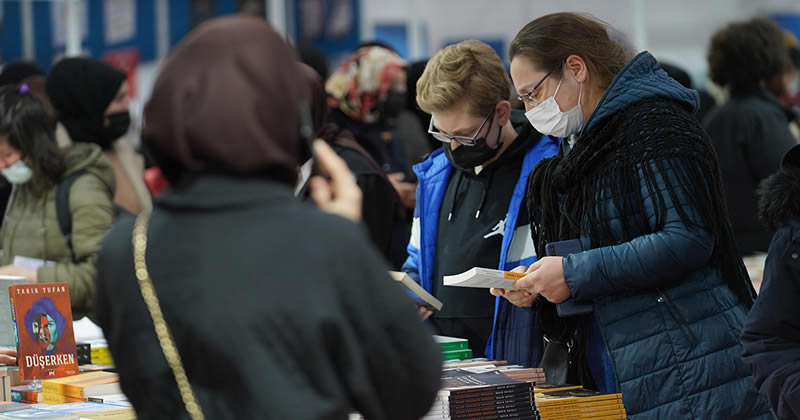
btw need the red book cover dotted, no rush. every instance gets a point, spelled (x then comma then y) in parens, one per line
(43, 325)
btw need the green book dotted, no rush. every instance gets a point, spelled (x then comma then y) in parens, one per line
(457, 354)
(451, 343)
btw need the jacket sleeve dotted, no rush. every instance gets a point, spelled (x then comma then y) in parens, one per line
(771, 338)
(377, 210)
(403, 361)
(647, 262)
(90, 202)
(411, 266)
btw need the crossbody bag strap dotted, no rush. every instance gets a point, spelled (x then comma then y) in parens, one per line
(163, 333)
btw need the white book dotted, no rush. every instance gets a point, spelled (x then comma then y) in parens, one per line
(421, 295)
(484, 278)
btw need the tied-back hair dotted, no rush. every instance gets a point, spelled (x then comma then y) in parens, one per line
(29, 128)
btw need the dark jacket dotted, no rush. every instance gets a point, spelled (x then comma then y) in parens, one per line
(771, 338)
(278, 310)
(668, 321)
(750, 133)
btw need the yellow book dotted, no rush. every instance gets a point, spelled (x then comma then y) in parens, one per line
(559, 398)
(48, 398)
(618, 412)
(579, 408)
(540, 388)
(83, 385)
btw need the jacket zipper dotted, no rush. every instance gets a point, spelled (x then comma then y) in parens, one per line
(676, 316)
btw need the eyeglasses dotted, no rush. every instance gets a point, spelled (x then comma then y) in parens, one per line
(466, 141)
(530, 100)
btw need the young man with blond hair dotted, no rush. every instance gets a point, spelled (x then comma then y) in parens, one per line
(470, 208)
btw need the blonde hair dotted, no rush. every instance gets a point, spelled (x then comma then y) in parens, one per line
(469, 70)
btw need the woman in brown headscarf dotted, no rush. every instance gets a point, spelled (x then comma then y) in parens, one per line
(228, 248)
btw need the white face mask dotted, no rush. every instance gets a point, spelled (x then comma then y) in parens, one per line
(548, 119)
(18, 173)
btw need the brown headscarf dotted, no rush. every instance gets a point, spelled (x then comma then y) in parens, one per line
(227, 100)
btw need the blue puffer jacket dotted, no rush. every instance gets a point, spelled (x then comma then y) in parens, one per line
(668, 321)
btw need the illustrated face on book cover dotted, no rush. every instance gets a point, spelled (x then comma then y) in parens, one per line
(45, 324)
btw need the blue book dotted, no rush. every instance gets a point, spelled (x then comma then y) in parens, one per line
(568, 307)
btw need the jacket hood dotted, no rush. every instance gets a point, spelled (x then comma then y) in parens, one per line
(91, 158)
(642, 78)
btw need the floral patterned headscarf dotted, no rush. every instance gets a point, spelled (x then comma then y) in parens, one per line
(361, 84)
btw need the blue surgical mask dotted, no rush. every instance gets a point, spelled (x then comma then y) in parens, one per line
(18, 173)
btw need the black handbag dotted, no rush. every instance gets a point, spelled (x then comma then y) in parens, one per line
(556, 362)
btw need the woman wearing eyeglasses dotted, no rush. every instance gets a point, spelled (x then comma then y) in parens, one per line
(470, 201)
(639, 188)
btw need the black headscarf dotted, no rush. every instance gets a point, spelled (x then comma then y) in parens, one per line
(81, 90)
(16, 72)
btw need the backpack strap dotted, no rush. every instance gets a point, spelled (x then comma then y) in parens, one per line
(63, 212)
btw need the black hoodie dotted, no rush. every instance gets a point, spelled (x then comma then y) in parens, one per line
(471, 224)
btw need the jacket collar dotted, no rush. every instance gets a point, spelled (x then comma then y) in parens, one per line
(220, 191)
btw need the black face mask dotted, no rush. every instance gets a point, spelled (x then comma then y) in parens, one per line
(117, 127)
(466, 158)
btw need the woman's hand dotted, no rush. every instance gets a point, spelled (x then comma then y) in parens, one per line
(8, 356)
(340, 195)
(546, 277)
(520, 298)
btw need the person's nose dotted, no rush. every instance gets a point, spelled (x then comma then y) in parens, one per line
(454, 145)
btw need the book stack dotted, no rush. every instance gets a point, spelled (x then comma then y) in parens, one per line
(91, 411)
(578, 404)
(78, 388)
(27, 393)
(482, 395)
(5, 384)
(453, 348)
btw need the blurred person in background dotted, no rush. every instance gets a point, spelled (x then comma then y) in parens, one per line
(786, 86)
(366, 94)
(382, 212)
(91, 99)
(636, 190)
(771, 337)
(33, 244)
(225, 244)
(750, 132)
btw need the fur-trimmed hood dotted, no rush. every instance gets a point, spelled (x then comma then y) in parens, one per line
(779, 198)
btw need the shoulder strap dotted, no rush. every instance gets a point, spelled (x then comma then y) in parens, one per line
(63, 212)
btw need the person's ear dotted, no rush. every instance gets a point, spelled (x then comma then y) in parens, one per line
(502, 112)
(577, 67)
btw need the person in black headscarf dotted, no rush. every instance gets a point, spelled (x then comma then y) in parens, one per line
(91, 99)
(228, 249)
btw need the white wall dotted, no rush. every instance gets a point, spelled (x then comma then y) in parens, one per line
(674, 30)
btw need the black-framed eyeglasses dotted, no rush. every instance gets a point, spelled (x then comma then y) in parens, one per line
(527, 98)
(466, 141)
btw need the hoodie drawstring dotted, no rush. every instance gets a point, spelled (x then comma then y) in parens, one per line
(485, 194)
(455, 196)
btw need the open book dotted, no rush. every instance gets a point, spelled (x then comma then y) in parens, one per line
(484, 278)
(420, 295)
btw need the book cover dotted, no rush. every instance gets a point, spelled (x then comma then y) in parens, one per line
(540, 388)
(555, 398)
(416, 291)
(483, 278)
(37, 413)
(43, 321)
(8, 406)
(83, 385)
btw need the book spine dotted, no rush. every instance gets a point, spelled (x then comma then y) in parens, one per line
(493, 390)
(14, 320)
(49, 398)
(460, 345)
(52, 387)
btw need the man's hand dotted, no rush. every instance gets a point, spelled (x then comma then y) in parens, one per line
(424, 313)
(340, 195)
